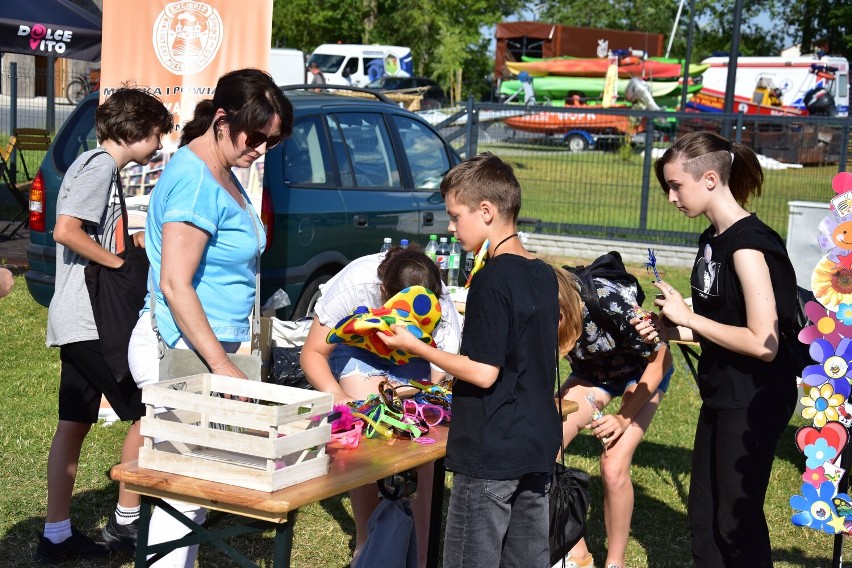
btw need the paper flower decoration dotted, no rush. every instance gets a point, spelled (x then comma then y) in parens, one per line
(833, 366)
(815, 476)
(835, 237)
(415, 307)
(834, 434)
(827, 324)
(844, 314)
(818, 453)
(814, 508)
(832, 282)
(820, 404)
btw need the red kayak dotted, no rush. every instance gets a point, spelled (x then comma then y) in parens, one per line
(590, 67)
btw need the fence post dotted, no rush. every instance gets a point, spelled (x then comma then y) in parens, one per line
(50, 93)
(739, 137)
(13, 116)
(470, 131)
(646, 171)
(844, 147)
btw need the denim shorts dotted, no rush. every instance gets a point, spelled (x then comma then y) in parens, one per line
(346, 360)
(617, 388)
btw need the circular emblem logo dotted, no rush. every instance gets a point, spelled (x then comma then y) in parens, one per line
(187, 36)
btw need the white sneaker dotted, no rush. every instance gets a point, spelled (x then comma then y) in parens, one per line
(571, 562)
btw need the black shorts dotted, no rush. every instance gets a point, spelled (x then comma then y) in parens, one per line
(84, 377)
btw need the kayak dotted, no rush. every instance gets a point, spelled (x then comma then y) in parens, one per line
(562, 122)
(694, 68)
(588, 67)
(589, 87)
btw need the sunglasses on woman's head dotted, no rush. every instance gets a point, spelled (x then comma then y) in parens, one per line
(256, 139)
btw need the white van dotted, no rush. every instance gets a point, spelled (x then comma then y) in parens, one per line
(287, 66)
(362, 63)
(792, 75)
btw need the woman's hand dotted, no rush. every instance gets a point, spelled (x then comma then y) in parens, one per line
(609, 428)
(139, 239)
(672, 307)
(650, 328)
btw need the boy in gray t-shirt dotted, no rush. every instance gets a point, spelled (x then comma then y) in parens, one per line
(130, 124)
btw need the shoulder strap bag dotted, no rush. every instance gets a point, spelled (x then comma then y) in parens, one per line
(117, 295)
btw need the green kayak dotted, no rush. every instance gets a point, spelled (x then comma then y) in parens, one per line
(587, 87)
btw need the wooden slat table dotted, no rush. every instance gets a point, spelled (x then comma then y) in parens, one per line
(373, 460)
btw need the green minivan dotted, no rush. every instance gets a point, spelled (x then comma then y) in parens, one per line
(355, 170)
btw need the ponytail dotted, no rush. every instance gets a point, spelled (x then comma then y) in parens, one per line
(202, 118)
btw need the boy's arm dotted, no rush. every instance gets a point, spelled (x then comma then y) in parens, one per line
(459, 366)
(70, 233)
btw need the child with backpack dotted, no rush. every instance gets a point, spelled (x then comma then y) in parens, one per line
(744, 297)
(611, 360)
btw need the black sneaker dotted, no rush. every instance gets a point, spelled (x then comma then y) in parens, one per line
(76, 546)
(120, 537)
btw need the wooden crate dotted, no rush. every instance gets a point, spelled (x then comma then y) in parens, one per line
(275, 442)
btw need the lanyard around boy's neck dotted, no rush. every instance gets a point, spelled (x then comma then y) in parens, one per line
(478, 262)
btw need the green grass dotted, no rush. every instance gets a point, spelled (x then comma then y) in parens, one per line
(28, 387)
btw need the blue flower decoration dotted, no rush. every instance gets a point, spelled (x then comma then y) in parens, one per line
(819, 452)
(814, 507)
(834, 365)
(844, 314)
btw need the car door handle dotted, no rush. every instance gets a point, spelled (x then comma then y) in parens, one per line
(428, 219)
(360, 220)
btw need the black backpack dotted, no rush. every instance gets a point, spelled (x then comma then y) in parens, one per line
(798, 351)
(609, 267)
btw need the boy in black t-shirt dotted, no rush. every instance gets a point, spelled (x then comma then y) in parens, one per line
(506, 430)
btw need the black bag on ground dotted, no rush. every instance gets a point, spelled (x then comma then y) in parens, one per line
(286, 369)
(609, 267)
(117, 295)
(569, 499)
(569, 503)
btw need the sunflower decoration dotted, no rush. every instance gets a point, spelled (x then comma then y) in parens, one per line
(832, 281)
(820, 404)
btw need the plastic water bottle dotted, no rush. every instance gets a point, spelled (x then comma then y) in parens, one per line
(431, 249)
(443, 259)
(469, 259)
(455, 263)
(386, 245)
(403, 243)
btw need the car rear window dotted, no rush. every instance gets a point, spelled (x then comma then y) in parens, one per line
(77, 135)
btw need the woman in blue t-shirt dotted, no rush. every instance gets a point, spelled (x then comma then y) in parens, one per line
(204, 241)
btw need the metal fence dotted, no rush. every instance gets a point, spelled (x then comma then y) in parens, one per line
(32, 97)
(586, 173)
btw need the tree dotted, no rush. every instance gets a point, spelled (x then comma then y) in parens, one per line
(818, 24)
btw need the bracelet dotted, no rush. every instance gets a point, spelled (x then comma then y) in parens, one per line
(220, 365)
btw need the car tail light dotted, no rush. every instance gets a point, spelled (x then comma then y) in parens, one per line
(267, 215)
(37, 202)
